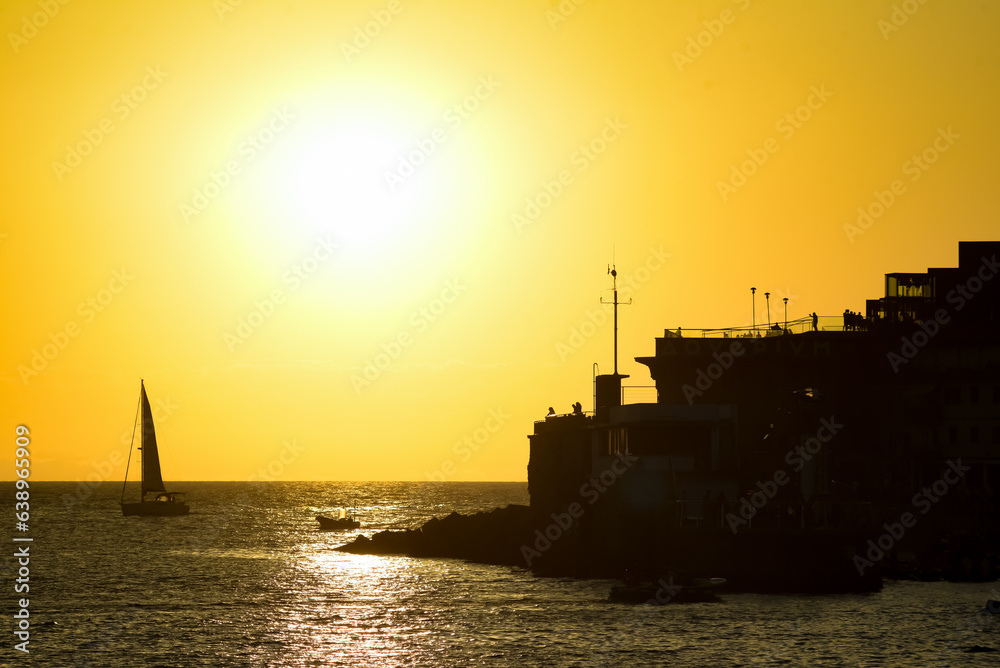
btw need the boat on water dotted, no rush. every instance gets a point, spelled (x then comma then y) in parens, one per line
(343, 521)
(154, 499)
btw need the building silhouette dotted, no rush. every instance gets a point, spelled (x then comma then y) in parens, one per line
(780, 460)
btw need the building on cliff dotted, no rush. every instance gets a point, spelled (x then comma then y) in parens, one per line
(804, 456)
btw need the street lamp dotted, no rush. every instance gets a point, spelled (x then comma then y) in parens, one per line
(753, 303)
(767, 298)
(786, 314)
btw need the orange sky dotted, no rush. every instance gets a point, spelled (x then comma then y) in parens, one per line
(368, 240)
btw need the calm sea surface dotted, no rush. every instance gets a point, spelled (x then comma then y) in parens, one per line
(248, 580)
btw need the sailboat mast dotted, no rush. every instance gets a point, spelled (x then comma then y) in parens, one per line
(142, 441)
(131, 443)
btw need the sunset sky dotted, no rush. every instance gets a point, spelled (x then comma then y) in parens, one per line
(369, 240)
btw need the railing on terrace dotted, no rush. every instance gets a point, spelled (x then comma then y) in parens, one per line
(639, 394)
(581, 414)
(825, 323)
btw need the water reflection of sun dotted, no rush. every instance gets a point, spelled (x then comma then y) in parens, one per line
(357, 607)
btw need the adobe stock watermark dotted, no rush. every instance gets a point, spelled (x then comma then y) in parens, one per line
(596, 318)
(88, 309)
(223, 7)
(564, 521)
(581, 158)
(274, 469)
(562, 12)
(915, 167)
(457, 114)
(696, 44)
(470, 444)
(796, 458)
(901, 13)
(221, 179)
(705, 378)
(30, 25)
(363, 35)
(419, 321)
(293, 277)
(121, 108)
(923, 501)
(787, 126)
(958, 296)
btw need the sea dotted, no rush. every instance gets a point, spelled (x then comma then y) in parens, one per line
(249, 579)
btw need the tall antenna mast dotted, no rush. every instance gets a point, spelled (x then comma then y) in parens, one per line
(614, 287)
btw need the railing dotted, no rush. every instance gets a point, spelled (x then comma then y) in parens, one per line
(639, 394)
(825, 323)
(555, 416)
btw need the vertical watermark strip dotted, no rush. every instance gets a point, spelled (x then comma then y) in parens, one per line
(22, 468)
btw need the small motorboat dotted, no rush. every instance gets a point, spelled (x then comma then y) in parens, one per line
(337, 523)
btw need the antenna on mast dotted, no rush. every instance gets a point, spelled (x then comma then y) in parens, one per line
(614, 288)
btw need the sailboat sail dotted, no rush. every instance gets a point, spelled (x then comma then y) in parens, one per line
(152, 480)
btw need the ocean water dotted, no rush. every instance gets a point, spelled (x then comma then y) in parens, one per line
(248, 579)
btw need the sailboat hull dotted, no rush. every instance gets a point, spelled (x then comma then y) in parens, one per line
(336, 524)
(155, 508)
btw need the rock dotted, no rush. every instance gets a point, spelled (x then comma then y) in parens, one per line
(493, 537)
(975, 649)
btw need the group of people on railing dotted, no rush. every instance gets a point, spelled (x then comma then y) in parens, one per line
(854, 322)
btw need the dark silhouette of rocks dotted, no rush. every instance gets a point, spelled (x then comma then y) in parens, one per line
(493, 537)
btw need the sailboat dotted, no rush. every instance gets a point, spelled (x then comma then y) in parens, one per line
(162, 502)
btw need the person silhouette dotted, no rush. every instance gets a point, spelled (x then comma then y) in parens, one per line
(815, 321)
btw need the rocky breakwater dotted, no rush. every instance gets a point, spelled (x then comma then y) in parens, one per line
(493, 537)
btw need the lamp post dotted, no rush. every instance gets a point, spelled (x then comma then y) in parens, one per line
(786, 314)
(753, 303)
(767, 298)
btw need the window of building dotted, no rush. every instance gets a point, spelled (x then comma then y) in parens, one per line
(974, 434)
(618, 441)
(953, 435)
(974, 394)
